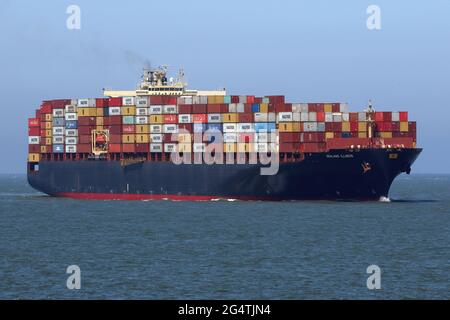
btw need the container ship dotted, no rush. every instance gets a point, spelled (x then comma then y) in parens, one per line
(165, 141)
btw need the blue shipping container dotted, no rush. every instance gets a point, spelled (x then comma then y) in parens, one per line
(72, 124)
(214, 126)
(58, 122)
(58, 148)
(255, 107)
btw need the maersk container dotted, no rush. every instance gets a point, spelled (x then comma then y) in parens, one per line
(71, 149)
(34, 140)
(71, 124)
(58, 148)
(128, 120)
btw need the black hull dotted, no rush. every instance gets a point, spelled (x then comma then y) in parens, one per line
(335, 175)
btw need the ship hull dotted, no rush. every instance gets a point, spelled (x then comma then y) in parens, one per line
(365, 174)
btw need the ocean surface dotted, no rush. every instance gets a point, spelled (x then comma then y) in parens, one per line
(226, 250)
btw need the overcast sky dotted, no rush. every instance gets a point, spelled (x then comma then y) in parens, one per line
(307, 50)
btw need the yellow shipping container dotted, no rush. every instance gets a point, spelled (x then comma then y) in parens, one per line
(128, 138)
(48, 125)
(230, 117)
(345, 126)
(48, 141)
(43, 149)
(48, 133)
(286, 127)
(245, 147)
(386, 134)
(296, 126)
(404, 127)
(156, 119)
(48, 117)
(362, 134)
(329, 135)
(129, 111)
(328, 107)
(87, 112)
(142, 128)
(142, 138)
(215, 99)
(99, 112)
(362, 126)
(34, 157)
(99, 121)
(264, 107)
(184, 138)
(184, 147)
(229, 147)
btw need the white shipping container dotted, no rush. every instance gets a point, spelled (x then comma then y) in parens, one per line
(203, 99)
(185, 118)
(304, 116)
(242, 99)
(328, 117)
(312, 116)
(142, 111)
(285, 116)
(141, 120)
(83, 103)
(261, 147)
(58, 140)
(129, 101)
(155, 109)
(346, 117)
(362, 116)
(58, 113)
(71, 116)
(232, 107)
(240, 107)
(310, 126)
(296, 107)
(214, 118)
(71, 132)
(115, 111)
(155, 147)
(195, 100)
(156, 128)
(245, 127)
(156, 138)
(170, 147)
(74, 102)
(337, 117)
(170, 128)
(272, 117)
(71, 149)
(70, 108)
(230, 137)
(304, 107)
(343, 107)
(296, 116)
(262, 137)
(395, 116)
(199, 147)
(170, 109)
(71, 140)
(185, 100)
(142, 102)
(261, 117)
(229, 127)
(58, 131)
(34, 139)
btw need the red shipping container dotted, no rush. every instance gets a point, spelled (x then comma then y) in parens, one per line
(33, 123)
(200, 118)
(48, 149)
(34, 148)
(170, 118)
(115, 148)
(379, 117)
(247, 108)
(83, 139)
(85, 130)
(60, 104)
(213, 108)
(403, 116)
(102, 102)
(312, 107)
(167, 137)
(114, 129)
(143, 147)
(115, 102)
(387, 116)
(395, 126)
(128, 128)
(84, 148)
(387, 126)
(329, 126)
(354, 126)
(86, 121)
(246, 137)
(271, 107)
(35, 131)
(336, 107)
(286, 147)
(345, 143)
(115, 138)
(337, 126)
(313, 137)
(42, 133)
(353, 117)
(46, 107)
(281, 107)
(313, 147)
(289, 136)
(320, 116)
(128, 148)
(250, 99)
(199, 108)
(258, 100)
(185, 108)
(114, 120)
(245, 117)
(412, 126)
(185, 126)
(234, 99)
(224, 108)
(276, 99)
(106, 121)
(169, 100)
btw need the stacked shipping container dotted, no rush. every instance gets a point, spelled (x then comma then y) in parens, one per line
(163, 124)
